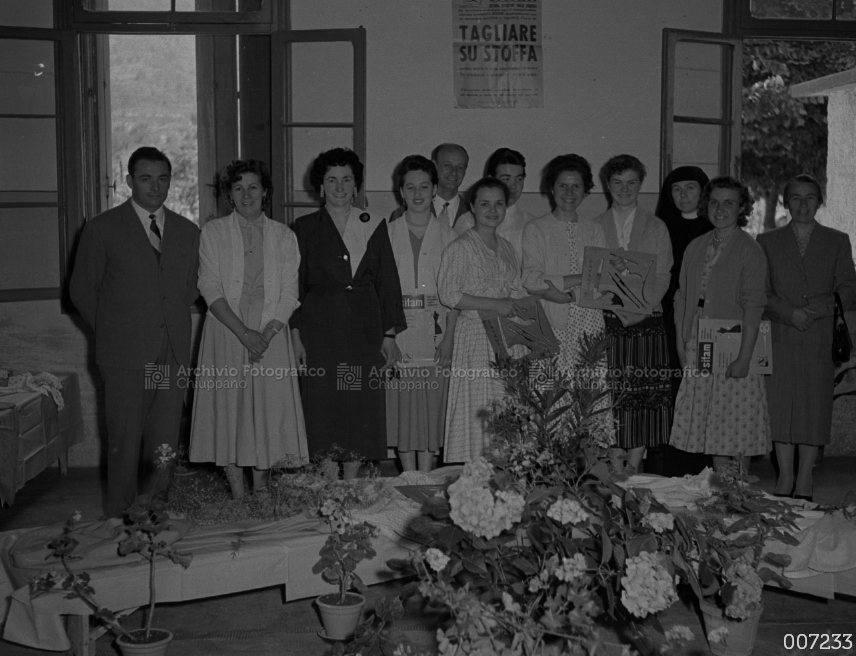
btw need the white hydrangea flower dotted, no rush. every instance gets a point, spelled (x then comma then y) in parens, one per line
(718, 635)
(567, 511)
(647, 585)
(679, 633)
(571, 568)
(436, 559)
(660, 522)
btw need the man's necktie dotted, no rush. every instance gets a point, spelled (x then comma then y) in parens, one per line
(155, 237)
(444, 214)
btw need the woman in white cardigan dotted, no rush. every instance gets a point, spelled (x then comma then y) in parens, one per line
(246, 407)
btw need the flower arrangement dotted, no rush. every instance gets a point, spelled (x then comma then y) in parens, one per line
(348, 545)
(535, 545)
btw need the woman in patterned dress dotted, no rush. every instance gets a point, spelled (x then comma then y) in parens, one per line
(478, 271)
(722, 277)
(553, 247)
(637, 352)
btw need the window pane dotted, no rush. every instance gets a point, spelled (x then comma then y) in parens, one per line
(29, 154)
(306, 144)
(846, 10)
(322, 82)
(27, 13)
(128, 5)
(29, 247)
(27, 77)
(697, 145)
(698, 79)
(796, 9)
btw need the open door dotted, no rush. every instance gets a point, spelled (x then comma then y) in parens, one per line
(701, 105)
(318, 83)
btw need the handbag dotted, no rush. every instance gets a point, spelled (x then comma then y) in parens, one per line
(841, 342)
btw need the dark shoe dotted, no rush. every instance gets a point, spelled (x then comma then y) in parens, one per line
(786, 495)
(805, 497)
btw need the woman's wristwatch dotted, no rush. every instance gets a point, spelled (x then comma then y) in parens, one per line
(390, 335)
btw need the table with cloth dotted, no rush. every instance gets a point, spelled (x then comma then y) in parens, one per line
(37, 428)
(227, 558)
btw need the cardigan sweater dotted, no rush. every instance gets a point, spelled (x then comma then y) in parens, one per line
(221, 266)
(735, 286)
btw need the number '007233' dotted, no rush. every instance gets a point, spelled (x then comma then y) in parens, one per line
(822, 641)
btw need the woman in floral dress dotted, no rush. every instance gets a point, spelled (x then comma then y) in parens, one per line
(722, 277)
(478, 271)
(553, 248)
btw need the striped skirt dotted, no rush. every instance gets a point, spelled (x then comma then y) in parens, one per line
(638, 362)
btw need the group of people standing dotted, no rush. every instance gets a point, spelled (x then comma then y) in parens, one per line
(365, 333)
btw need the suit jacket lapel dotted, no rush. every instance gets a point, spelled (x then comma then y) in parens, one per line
(818, 243)
(790, 247)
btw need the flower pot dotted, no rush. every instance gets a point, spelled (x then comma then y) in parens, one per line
(350, 470)
(340, 620)
(158, 645)
(741, 633)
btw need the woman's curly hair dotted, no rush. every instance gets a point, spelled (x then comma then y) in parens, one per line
(335, 157)
(727, 182)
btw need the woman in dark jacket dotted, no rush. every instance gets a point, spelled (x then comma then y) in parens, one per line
(807, 263)
(350, 312)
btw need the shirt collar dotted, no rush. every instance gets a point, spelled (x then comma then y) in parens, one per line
(453, 205)
(144, 215)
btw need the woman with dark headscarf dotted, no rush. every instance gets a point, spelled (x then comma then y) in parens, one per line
(678, 209)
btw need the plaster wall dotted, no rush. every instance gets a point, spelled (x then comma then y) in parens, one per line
(841, 215)
(601, 74)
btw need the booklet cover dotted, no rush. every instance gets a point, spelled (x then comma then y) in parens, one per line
(628, 287)
(426, 322)
(719, 344)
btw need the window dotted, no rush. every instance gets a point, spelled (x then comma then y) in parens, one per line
(700, 124)
(172, 12)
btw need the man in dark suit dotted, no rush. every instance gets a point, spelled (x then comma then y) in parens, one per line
(133, 282)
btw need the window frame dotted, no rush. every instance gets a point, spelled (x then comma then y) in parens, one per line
(68, 156)
(170, 18)
(730, 121)
(281, 110)
(740, 22)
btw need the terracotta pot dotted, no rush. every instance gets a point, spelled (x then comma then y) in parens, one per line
(350, 470)
(340, 620)
(741, 633)
(158, 647)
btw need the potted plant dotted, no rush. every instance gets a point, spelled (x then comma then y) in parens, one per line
(351, 465)
(727, 561)
(348, 544)
(146, 524)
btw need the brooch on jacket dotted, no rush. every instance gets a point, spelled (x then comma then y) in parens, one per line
(365, 218)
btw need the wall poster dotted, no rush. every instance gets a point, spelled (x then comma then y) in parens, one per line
(497, 54)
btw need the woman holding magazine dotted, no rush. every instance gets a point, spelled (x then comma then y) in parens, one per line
(722, 277)
(416, 392)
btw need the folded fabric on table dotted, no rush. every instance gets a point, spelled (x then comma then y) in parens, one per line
(675, 492)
